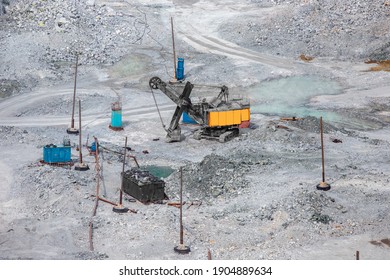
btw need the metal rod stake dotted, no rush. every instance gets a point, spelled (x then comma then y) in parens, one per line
(323, 185)
(123, 173)
(74, 91)
(81, 166)
(119, 207)
(181, 206)
(322, 150)
(209, 254)
(181, 248)
(80, 153)
(174, 51)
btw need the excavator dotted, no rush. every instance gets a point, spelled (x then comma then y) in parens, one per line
(219, 117)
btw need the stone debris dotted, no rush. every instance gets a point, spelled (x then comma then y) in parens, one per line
(256, 195)
(319, 28)
(61, 29)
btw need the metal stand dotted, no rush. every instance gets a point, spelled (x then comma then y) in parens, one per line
(72, 129)
(80, 166)
(324, 186)
(119, 208)
(181, 248)
(115, 128)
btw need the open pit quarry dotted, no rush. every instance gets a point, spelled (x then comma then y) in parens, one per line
(253, 197)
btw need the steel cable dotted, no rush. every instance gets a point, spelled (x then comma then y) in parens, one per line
(158, 110)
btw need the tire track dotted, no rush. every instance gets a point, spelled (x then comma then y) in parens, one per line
(10, 106)
(222, 47)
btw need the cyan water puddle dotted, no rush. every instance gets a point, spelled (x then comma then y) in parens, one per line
(132, 65)
(159, 171)
(288, 97)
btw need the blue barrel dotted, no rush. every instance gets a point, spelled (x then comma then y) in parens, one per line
(54, 154)
(93, 147)
(116, 115)
(188, 119)
(180, 69)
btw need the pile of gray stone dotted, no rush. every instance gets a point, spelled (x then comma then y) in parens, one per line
(213, 177)
(49, 34)
(97, 31)
(331, 28)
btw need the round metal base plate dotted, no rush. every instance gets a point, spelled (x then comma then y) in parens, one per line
(115, 128)
(81, 167)
(323, 186)
(72, 131)
(120, 209)
(182, 249)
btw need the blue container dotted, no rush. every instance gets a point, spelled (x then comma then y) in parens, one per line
(93, 147)
(116, 115)
(180, 69)
(54, 154)
(188, 119)
(116, 119)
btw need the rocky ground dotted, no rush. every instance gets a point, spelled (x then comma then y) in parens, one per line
(317, 28)
(253, 197)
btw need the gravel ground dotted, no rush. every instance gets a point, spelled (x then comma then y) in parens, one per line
(253, 197)
(319, 28)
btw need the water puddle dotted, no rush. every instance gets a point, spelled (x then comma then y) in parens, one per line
(159, 171)
(132, 65)
(288, 97)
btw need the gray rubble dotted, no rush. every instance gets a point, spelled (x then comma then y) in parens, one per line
(318, 28)
(253, 197)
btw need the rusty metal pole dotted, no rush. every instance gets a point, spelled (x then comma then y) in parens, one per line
(80, 153)
(322, 150)
(119, 208)
(181, 248)
(81, 166)
(74, 90)
(174, 52)
(357, 255)
(323, 185)
(73, 130)
(97, 168)
(123, 172)
(181, 207)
